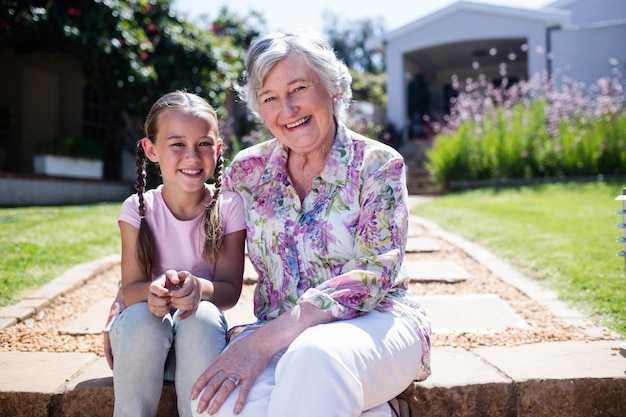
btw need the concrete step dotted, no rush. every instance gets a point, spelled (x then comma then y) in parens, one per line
(574, 379)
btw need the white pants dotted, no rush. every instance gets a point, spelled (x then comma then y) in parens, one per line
(344, 368)
(148, 350)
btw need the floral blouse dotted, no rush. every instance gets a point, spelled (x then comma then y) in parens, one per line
(342, 248)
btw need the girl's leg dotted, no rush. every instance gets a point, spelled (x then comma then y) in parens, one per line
(140, 342)
(197, 340)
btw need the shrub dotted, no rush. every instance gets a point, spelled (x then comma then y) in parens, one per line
(533, 129)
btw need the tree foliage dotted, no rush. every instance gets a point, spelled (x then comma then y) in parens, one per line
(132, 50)
(352, 41)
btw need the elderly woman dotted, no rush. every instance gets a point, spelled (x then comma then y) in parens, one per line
(338, 332)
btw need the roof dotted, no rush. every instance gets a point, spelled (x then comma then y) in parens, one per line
(548, 15)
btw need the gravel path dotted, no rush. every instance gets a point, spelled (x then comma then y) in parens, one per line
(41, 333)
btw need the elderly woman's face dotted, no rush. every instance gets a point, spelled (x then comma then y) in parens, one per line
(295, 106)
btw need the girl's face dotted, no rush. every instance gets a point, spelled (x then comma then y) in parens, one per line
(295, 106)
(186, 148)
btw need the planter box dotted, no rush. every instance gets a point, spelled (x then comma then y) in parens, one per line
(65, 166)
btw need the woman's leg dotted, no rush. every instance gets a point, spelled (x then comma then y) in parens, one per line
(347, 368)
(140, 342)
(197, 340)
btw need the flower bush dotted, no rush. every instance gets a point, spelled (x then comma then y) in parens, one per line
(543, 127)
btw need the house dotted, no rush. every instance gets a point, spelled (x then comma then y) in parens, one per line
(466, 39)
(43, 97)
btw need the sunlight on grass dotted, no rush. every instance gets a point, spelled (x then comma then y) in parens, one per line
(40, 243)
(563, 234)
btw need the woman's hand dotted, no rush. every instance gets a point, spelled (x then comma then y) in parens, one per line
(239, 365)
(246, 358)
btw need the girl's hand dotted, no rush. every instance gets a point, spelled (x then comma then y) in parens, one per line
(159, 295)
(108, 352)
(187, 295)
(116, 307)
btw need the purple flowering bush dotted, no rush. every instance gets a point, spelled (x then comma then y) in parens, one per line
(546, 127)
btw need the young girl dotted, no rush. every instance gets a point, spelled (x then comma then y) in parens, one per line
(182, 260)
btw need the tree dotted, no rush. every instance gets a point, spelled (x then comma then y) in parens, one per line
(134, 50)
(350, 41)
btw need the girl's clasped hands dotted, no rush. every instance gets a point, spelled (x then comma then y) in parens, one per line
(174, 290)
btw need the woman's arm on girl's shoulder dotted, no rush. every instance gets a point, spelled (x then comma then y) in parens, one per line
(228, 273)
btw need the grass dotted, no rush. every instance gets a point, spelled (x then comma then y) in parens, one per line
(39, 243)
(561, 234)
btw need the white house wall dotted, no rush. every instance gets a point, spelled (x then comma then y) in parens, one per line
(584, 54)
(585, 12)
(459, 27)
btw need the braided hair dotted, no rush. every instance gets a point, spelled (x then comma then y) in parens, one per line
(212, 224)
(212, 219)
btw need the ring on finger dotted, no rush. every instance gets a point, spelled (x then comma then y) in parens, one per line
(234, 379)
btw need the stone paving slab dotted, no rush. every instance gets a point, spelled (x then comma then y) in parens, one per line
(97, 373)
(557, 360)
(20, 311)
(454, 366)
(53, 290)
(472, 313)
(6, 322)
(421, 244)
(480, 313)
(444, 271)
(40, 371)
(90, 322)
(242, 313)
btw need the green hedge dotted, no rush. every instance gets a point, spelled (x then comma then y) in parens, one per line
(527, 138)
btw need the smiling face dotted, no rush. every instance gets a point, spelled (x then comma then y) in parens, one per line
(186, 148)
(295, 106)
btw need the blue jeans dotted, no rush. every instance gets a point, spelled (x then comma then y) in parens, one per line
(148, 350)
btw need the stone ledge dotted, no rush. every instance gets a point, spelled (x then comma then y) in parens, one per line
(573, 379)
(586, 397)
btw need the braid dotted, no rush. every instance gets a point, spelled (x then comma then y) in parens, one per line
(212, 219)
(145, 240)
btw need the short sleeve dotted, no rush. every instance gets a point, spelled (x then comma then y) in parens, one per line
(130, 211)
(233, 215)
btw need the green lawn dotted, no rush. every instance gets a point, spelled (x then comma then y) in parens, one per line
(561, 234)
(39, 243)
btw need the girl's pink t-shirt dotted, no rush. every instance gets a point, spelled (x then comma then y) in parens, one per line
(179, 243)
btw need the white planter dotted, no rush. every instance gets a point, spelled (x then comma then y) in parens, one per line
(65, 166)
